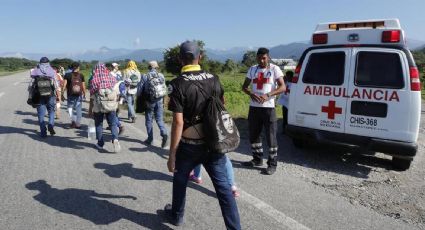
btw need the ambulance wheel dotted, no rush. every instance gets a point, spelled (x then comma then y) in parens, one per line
(298, 142)
(401, 163)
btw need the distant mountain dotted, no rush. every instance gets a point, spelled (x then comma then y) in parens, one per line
(140, 55)
(414, 44)
(235, 53)
(101, 54)
(106, 54)
(292, 50)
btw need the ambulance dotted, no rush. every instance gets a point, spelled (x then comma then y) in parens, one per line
(358, 86)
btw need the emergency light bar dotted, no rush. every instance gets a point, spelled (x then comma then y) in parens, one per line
(374, 25)
(357, 33)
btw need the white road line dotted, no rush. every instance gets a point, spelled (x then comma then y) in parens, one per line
(16, 83)
(1, 94)
(280, 217)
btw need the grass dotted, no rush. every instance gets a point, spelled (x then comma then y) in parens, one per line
(6, 73)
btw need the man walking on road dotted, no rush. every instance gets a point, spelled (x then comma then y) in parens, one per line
(104, 104)
(154, 88)
(44, 89)
(76, 90)
(264, 78)
(188, 148)
(131, 78)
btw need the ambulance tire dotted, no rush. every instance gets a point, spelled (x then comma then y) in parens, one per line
(401, 163)
(298, 142)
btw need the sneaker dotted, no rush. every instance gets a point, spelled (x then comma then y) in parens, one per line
(51, 130)
(98, 146)
(235, 192)
(164, 141)
(195, 179)
(72, 126)
(171, 218)
(253, 163)
(120, 130)
(270, 170)
(147, 142)
(43, 135)
(117, 146)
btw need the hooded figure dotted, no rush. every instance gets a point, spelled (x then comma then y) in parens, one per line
(43, 69)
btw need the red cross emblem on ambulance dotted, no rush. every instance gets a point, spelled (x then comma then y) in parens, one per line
(331, 110)
(261, 80)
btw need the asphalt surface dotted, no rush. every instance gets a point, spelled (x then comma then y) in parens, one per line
(63, 182)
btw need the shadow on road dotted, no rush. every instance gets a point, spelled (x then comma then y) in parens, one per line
(315, 156)
(127, 169)
(163, 153)
(84, 204)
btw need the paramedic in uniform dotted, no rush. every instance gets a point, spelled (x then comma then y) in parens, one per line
(267, 82)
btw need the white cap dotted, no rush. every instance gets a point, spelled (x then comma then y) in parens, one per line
(115, 64)
(153, 64)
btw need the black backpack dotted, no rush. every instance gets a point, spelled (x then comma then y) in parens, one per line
(44, 86)
(221, 133)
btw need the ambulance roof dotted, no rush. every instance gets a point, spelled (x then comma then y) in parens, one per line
(359, 32)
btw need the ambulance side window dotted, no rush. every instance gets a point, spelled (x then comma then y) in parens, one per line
(325, 68)
(379, 70)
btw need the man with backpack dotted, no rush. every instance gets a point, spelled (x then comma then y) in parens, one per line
(76, 90)
(43, 90)
(153, 88)
(103, 103)
(131, 78)
(189, 94)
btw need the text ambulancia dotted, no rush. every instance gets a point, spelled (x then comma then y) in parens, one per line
(358, 86)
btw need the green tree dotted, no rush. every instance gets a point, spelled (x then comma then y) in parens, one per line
(249, 58)
(172, 62)
(64, 62)
(230, 66)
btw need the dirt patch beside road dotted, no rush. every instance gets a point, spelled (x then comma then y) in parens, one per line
(366, 180)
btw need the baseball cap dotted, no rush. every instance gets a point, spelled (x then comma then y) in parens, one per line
(153, 64)
(190, 47)
(115, 64)
(44, 60)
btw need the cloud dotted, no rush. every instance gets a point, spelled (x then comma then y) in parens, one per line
(136, 42)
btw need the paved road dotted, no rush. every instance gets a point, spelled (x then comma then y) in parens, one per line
(63, 182)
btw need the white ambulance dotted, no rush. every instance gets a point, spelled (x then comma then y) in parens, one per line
(358, 86)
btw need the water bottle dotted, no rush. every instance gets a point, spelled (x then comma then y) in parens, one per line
(91, 131)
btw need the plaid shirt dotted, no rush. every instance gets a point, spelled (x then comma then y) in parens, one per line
(101, 79)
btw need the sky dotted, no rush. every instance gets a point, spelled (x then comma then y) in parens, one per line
(58, 26)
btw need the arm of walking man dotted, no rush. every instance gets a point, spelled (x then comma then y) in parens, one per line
(176, 133)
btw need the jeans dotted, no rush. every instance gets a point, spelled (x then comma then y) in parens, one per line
(155, 109)
(49, 104)
(98, 122)
(130, 103)
(229, 170)
(187, 157)
(75, 104)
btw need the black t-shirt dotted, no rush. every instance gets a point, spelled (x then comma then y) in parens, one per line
(188, 94)
(68, 78)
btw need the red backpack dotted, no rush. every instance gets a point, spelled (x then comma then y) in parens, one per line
(76, 83)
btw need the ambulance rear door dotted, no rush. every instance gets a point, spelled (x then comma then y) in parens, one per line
(319, 101)
(379, 94)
